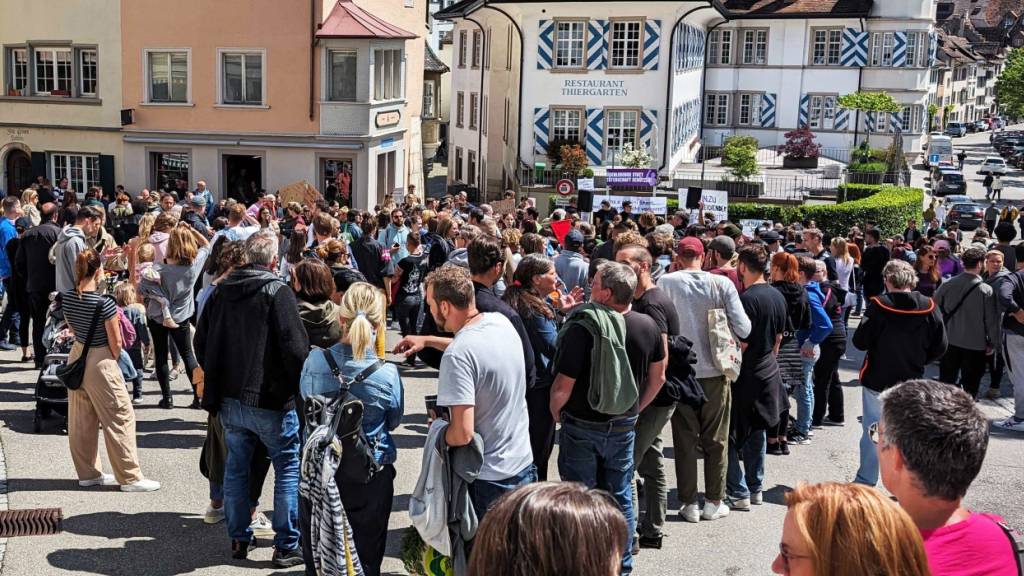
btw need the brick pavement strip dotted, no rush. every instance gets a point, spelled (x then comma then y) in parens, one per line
(162, 533)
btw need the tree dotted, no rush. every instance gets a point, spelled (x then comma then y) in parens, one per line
(740, 154)
(1010, 85)
(800, 144)
(933, 109)
(946, 111)
(870, 102)
(573, 158)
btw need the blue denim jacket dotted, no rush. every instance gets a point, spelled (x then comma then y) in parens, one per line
(381, 394)
(543, 334)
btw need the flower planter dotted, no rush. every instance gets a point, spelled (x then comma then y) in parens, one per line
(802, 163)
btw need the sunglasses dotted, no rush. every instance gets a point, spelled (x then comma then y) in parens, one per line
(788, 556)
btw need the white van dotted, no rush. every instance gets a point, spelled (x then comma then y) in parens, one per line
(940, 149)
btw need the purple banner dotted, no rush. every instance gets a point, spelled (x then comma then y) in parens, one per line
(632, 177)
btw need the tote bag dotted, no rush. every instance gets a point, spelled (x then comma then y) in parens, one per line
(725, 351)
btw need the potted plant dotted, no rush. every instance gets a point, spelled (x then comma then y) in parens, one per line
(801, 151)
(573, 159)
(635, 157)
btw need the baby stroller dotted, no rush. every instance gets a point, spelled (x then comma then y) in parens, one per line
(51, 395)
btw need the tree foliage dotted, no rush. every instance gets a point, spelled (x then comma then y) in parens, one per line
(933, 109)
(800, 144)
(573, 158)
(1010, 86)
(740, 154)
(870, 102)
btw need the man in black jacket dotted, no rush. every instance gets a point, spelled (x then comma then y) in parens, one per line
(901, 332)
(32, 262)
(875, 257)
(252, 345)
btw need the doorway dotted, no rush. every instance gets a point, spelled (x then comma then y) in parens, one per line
(243, 177)
(19, 172)
(336, 180)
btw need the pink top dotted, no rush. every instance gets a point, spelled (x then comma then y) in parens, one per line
(975, 547)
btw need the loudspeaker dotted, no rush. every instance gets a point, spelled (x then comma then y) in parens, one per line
(585, 202)
(693, 197)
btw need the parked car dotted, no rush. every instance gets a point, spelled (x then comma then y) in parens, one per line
(993, 165)
(958, 199)
(949, 182)
(1017, 160)
(1011, 149)
(956, 129)
(967, 214)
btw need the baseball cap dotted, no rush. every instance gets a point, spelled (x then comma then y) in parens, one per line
(198, 200)
(723, 245)
(574, 239)
(690, 247)
(732, 231)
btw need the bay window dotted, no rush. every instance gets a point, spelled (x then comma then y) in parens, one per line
(387, 77)
(53, 71)
(343, 75)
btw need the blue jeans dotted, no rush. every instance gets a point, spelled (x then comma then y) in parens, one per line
(279, 432)
(868, 471)
(741, 482)
(587, 453)
(484, 493)
(804, 393)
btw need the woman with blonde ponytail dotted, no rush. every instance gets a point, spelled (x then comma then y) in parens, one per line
(368, 506)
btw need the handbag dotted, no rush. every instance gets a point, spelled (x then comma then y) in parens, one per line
(71, 373)
(725, 351)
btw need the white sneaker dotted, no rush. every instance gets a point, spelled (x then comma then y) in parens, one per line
(103, 480)
(690, 513)
(1011, 423)
(261, 526)
(144, 485)
(737, 503)
(714, 511)
(213, 515)
(757, 498)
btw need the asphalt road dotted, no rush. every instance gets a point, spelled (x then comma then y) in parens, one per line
(977, 147)
(161, 534)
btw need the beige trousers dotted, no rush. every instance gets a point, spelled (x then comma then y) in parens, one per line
(102, 399)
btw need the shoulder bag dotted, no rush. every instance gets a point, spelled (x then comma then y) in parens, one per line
(71, 373)
(725, 351)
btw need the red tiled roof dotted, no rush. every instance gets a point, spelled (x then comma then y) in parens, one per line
(347, 20)
(798, 7)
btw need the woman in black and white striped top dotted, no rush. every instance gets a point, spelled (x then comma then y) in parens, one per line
(102, 398)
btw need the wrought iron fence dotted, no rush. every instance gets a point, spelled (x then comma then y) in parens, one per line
(769, 156)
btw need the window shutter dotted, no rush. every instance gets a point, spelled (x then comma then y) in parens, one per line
(540, 131)
(107, 174)
(855, 48)
(595, 136)
(896, 122)
(545, 44)
(842, 119)
(768, 110)
(652, 43)
(805, 111)
(595, 45)
(869, 121)
(899, 51)
(648, 129)
(39, 167)
(933, 48)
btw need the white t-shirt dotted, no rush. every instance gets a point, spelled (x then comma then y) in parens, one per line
(476, 370)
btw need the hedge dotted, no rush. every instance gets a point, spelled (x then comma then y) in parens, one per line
(889, 209)
(850, 192)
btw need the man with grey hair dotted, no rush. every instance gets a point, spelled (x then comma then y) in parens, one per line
(900, 333)
(931, 443)
(253, 388)
(609, 365)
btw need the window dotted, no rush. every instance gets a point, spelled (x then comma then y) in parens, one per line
(460, 106)
(570, 36)
(912, 45)
(168, 77)
(621, 128)
(429, 99)
(882, 122)
(88, 66)
(755, 46)
(81, 170)
(386, 174)
(458, 164)
(387, 74)
(242, 77)
(477, 48)
(720, 47)
(168, 167)
(462, 48)
(827, 46)
(881, 49)
(474, 111)
(53, 71)
(716, 110)
(822, 111)
(471, 169)
(504, 129)
(749, 109)
(18, 77)
(567, 124)
(483, 115)
(343, 76)
(625, 43)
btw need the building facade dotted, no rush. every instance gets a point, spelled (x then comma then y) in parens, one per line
(60, 104)
(255, 95)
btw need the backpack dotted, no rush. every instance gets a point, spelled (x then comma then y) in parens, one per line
(128, 335)
(343, 412)
(1016, 542)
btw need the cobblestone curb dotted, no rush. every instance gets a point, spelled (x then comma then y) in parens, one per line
(3, 500)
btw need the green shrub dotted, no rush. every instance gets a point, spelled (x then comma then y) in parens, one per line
(877, 167)
(774, 212)
(740, 154)
(850, 192)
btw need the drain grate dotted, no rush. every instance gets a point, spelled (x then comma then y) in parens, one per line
(34, 522)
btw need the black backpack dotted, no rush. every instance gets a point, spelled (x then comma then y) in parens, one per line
(343, 412)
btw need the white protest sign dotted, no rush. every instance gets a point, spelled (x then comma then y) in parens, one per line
(749, 226)
(585, 184)
(716, 203)
(656, 204)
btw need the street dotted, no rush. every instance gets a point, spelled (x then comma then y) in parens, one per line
(162, 533)
(977, 147)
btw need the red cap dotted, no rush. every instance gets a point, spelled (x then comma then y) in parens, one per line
(690, 247)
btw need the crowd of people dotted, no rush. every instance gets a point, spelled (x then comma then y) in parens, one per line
(276, 313)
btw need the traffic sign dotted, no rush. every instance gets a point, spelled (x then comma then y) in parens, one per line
(565, 187)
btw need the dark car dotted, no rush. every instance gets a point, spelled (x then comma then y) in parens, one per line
(948, 181)
(968, 215)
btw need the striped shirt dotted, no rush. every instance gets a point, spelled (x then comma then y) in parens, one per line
(79, 311)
